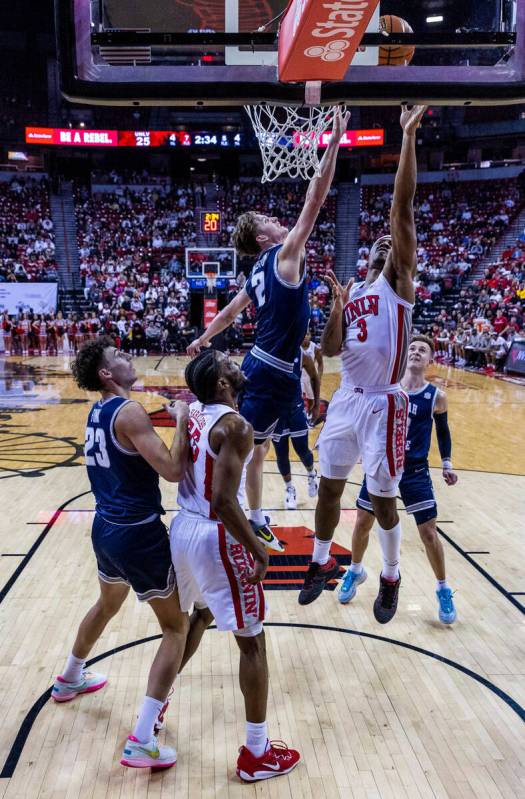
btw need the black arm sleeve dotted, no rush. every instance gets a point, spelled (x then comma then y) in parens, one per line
(443, 435)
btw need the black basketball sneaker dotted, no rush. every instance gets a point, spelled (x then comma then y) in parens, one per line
(385, 605)
(317, 577)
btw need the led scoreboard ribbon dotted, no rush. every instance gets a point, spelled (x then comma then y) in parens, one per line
(129, 138)
(82, 137)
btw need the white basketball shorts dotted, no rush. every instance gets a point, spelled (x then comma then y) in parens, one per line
(306, 386)
(210, 568)
(367, 424)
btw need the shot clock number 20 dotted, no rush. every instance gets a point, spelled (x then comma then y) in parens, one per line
(210, 222)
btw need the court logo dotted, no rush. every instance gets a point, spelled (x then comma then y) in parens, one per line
(287, 569)
(27, 454)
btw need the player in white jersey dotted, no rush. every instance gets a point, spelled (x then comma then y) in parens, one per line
(219, 561)
(312, 349)
(370, 324)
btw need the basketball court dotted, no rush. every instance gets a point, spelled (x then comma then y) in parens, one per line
(413, 709)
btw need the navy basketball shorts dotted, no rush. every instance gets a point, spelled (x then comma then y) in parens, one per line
(268, 395)
(293, 424)
(416, 491)
(136, 554)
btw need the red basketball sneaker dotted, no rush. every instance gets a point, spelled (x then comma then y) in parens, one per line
(277, 760)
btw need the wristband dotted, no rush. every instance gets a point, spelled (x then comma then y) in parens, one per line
(447, 464)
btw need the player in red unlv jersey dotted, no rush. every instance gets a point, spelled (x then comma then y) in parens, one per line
(370, 325)
(219, 561)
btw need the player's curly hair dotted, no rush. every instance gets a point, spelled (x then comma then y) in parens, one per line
(202, 373)
(244, 237)
(88, 361)
(426, 340)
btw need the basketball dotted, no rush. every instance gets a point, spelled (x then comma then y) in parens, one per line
(397, 55)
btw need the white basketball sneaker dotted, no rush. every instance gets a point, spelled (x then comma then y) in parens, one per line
(313, 484)
(290, 497)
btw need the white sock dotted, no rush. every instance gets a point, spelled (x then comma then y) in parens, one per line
(257, 516)
(73, 670)
(257, 737)
(321, 551)
(147, 716)
(311, 472)
(356, 568)
(442, 584)
(390, 541)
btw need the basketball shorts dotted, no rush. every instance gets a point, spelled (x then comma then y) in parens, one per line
(416, 492)
(367, 424)
(293, 424)
(135, 554)
(210, 568)
(269, 395)
(306, 386)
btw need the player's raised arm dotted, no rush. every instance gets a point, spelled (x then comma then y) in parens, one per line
(234, 440)
(224, 319)
(402, 262)
(292, 252)
(332, 335)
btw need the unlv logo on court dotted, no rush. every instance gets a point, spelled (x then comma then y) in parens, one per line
(287, 569)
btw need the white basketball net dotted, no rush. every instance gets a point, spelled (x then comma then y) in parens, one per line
(289, 137)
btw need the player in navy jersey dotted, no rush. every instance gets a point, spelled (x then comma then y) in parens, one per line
(295, 426)
(427, 404)
(124, 457)
(277, 287)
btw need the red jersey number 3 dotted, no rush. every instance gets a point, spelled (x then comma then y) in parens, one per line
(363, 332)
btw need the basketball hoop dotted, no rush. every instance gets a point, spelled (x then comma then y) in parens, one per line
(289, 138)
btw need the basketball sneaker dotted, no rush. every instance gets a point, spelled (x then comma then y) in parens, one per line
(317, 577)
(277, 760)
(90, 681)
(290, 497)
(147, 754)
(447, 611)
(313, 484)
(348, 587)
(265, 534)
(385, 605)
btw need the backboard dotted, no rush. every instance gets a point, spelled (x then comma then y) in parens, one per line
(216, 262)
(224, 53)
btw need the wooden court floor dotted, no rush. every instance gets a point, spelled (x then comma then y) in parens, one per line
(410, 709)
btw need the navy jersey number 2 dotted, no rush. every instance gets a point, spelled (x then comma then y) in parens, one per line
(283, 312)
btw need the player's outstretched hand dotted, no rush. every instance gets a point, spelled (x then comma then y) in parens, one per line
(178, 410)
(450, 477)
(315, 414)
(410, 119)
(340, 124)
(195, 347)
(260, 566)
(340, 293)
